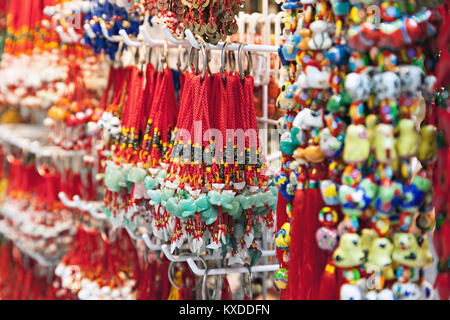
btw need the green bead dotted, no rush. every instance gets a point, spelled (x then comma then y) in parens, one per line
(227, 199)
(172, 207)
(112, 177)
(244, 201)
(150, 183)
(210, 215)
(235, 211)
(188, 207)
(214, 198)
(260, 200)
(238, 230)
(202, 203)
(155, 196)
(136, 175)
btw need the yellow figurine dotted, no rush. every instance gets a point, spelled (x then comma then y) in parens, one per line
(357, 145)
(349, 252)
(408, 141)
(385, 150)
(380, 257)
(408, 250)
(371, 123)
(428, 144)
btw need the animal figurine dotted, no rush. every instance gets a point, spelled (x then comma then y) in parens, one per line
(408, 143)
(354, 200)
(312, 153)
(411, 79)
(305, 37)
(413, 193)
(385, 145)
(379, 257)
(387, 88)
(290, 47)
(361, 37)
(320, 39)
(358, 86)
(428, 144)
(371, 123)
(286, 99)
(308, 119)
(349, 253)
(313, 78)
(338, 55)
(330, 145)
(286, 145)
(283, 237)
(410, 251)
(388, 197)
(357, 145)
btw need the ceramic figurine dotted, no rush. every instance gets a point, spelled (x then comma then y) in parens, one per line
(290, 47)
(411, 78)
(356, 146)
(358, 86)
(286, 100)
(408, 250)
(379, 256)
(283, 237)
(413, 193)
(308, 119)
(408, 140)
(327, 235)
(371, 123)
(313, 78)
(330, 145)
(428, 144)
(354, 200)
(385, 144)
(349, 252)
(387, 88)
(388, 197)
(320, 39)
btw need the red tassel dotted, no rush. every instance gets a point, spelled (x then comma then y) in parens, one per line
(226, 290)
(306, 259)
(442, 284)
(282, 218)
(296, 245)
(328, 289)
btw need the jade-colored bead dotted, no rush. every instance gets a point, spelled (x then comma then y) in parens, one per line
(150, 183)
(136, 175)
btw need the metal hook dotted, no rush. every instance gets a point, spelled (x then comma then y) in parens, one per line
(222, 61)
(179, 58)
(193, 53)
(250, 281)
(205, 295)
(242, 74)
(164, 55)
(205, 60)
(169, 274)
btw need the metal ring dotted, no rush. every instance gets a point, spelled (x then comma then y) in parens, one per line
(179, 58)
(250, 281)
(169, 274)
(205, 60)
(222, 61)
(243, 74)
(193, 52)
